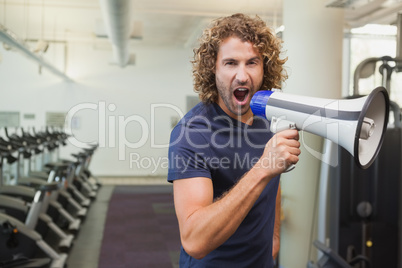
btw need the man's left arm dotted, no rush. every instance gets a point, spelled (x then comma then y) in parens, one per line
(277, 226)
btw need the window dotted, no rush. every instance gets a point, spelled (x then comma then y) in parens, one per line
(374, 41)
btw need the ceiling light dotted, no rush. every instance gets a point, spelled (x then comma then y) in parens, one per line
(375, 29)
(41, 46)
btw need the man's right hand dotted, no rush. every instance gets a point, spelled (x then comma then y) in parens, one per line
(281, 151)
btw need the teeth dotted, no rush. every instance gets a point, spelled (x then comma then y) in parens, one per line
(242, 89)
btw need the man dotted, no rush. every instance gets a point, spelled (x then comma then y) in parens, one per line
(223, 162)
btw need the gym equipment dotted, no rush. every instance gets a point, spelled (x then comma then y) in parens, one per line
(41, 211)
(332, 260)
(360, 211)
(23, 262)
(17, 238)
(54, 209)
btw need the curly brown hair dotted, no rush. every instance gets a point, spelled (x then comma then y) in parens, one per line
(249, 29)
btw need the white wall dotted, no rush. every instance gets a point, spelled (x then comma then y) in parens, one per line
(313, 43)
(159, 77)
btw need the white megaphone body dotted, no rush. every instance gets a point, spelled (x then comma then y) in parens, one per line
(361, 122)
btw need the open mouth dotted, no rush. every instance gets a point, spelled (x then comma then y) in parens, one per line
(241, 95)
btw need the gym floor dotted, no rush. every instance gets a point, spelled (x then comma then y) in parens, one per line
(88, 245)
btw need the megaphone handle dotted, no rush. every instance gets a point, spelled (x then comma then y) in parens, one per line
(279, 124)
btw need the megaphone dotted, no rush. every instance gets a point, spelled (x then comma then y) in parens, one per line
(361, 122)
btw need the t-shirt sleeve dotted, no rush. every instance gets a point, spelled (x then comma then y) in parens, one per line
(188, 154)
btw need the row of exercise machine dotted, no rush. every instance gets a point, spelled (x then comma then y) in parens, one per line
(43, 199)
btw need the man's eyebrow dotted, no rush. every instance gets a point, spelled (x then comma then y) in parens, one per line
(255, 58)
(229, 59)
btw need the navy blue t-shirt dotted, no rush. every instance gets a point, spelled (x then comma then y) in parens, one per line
(209, 143)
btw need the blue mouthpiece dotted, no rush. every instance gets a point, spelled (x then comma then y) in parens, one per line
(259, 102)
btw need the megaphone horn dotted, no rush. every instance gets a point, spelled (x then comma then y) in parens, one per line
(362, 121)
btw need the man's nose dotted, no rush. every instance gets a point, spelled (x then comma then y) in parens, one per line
(242, 75)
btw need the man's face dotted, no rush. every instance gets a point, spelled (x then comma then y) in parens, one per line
(239, 74)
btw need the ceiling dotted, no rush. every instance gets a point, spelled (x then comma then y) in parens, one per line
(168, 23)
(159, 23)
